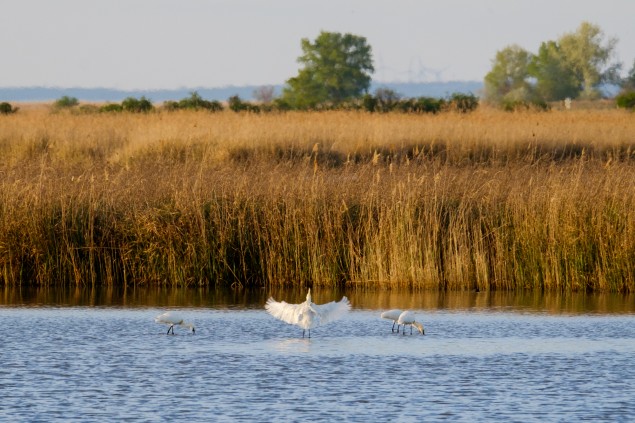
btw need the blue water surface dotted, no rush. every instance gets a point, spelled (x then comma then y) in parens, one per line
(116, 364)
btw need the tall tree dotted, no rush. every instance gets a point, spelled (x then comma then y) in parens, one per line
(554, 79)
(337, 68)
(509, 77)
(589, 58)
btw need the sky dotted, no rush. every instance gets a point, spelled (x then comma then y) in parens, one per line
(168, 44)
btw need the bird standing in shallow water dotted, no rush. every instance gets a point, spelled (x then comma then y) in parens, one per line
(173, 319)
(392, 315)
(308, 315)
(408, 318)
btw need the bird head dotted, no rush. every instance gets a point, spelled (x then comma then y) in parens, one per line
(308, 296)
(419, 327)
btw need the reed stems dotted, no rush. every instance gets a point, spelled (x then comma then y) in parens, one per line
(487, 201)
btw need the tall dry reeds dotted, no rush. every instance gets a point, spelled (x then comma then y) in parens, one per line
(488, 200)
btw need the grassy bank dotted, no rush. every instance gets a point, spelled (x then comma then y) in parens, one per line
(488, 200)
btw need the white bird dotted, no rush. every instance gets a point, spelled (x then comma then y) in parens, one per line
(308, 315)
(173, 319)
(408, 318)
(392, 315)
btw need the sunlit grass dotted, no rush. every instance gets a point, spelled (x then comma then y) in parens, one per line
(488, 200)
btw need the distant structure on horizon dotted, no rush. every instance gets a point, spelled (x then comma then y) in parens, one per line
(246, 92)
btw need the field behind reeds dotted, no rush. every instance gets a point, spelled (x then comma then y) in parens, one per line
(487, 200)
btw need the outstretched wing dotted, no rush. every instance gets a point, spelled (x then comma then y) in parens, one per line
(332, 311)
(284, 311)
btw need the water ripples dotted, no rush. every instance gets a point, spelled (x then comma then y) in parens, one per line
(104, 364)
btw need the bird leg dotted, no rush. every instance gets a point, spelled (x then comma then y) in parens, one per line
(303, 330)
(410, 329)
(171, 327)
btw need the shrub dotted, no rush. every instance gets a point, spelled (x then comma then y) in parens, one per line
(281, 105)
(65, 102)
(7, 109)
(406, 105)
(213, 106)
(428, 105)
(626, 100)
(386, 99)
(520, 105)
(111, 107)
(141, 105)
(369, 103)
(463, 103)
(196, 102)
(171, 105)
(238, 105)
(193, 102)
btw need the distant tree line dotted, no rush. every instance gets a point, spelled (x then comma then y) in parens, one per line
(336, 75)
(384, 101)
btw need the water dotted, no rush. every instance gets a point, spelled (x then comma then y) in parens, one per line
(489, 363)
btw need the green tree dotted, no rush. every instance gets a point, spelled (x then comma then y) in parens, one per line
(588, 57)
(554, 78)
(337, 68)
(508, 81)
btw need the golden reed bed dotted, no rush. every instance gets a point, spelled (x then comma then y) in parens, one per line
(488, 200)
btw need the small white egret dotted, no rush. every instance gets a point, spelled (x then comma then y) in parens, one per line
(408, 318)
(308, 315)
(173, 319)
(392, 315)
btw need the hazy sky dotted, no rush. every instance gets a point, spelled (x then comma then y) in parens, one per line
(162, 44)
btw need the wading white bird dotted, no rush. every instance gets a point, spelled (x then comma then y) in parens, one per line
(173, 319)
(392, 315)
(408, 318)
(308, 315)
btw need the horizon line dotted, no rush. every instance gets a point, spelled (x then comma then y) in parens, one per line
(219, 87)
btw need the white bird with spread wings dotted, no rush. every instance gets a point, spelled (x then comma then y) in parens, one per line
(308, 315)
